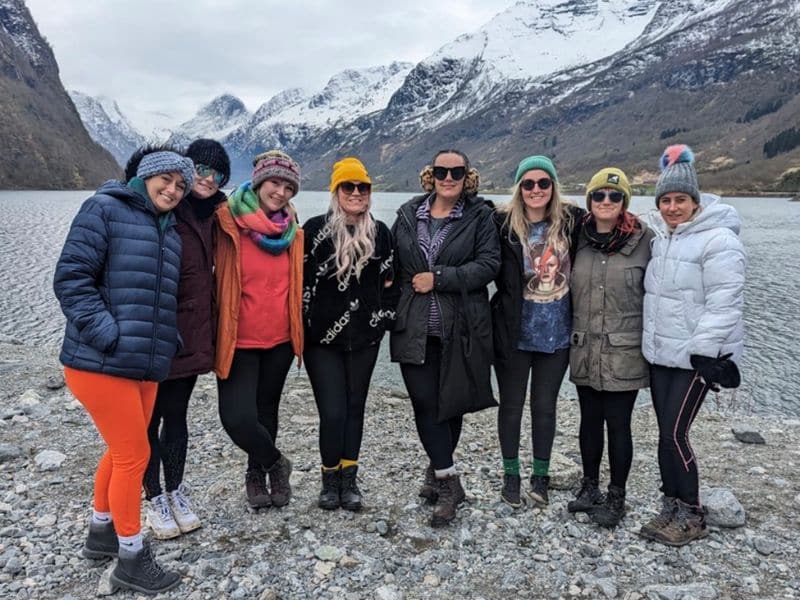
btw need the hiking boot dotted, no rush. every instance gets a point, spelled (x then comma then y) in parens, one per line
(280, 490)
(349, 494)
(428, 489)
(140, 572)
(650, 529)
(255, 483)
(687, 524)
(101, 542)
(449, 495)
(329, 495)
(538, 491)
(611, 511)
(510, 493)
(160, 519)
(185, 517)
(587, 498)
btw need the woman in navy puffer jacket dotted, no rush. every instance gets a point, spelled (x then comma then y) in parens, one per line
(117, 282)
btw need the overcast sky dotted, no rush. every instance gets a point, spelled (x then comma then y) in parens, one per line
(174, 56)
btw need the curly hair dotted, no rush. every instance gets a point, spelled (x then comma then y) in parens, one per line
(133, 162)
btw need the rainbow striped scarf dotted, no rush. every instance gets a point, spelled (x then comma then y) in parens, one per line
(272, 233)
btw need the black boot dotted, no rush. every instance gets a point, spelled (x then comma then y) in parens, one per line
(140, 572)
(538, 491)
(329, 494)
(350, 495)
(101, 542)
(587, 498)
(428, 489)
(510, 492)
(255, 483)
(280, 490)
(610, 512)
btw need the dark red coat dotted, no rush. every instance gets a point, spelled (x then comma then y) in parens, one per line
(197, 321)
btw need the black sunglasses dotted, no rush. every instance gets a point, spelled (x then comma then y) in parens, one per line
(348, 187)
(457, 173)
(600, 195)
(528, 184)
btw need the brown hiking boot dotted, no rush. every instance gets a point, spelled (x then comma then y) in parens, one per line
(450, 495)
(255, 483)
(280, 490)
(687, 524)
(650, 529)
(428, 489)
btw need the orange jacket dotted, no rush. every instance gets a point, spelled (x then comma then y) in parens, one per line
(229, 289)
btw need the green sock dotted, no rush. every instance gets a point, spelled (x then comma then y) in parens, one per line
(541, 467)
(511, 466)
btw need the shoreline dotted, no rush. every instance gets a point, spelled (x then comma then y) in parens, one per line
(388, 550)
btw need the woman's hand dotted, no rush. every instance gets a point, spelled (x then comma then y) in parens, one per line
(422, 282)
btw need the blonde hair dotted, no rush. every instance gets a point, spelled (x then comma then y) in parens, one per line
(556, 213)
(353, 244)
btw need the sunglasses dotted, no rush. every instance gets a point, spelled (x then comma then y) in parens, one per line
(206, 171)
(457, 173)
(348, 187)
(528, 184)
(599, 195)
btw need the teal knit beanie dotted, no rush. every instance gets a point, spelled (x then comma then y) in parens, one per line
(536, 162)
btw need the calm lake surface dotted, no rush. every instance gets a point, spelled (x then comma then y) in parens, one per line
(34, 225)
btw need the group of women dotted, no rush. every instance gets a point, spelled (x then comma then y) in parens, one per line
(162, 278)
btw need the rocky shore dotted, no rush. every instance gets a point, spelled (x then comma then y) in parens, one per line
(49, 450)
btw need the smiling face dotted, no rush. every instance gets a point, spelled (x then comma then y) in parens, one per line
(536, 199)
(165, 190)
(449, 189)
(606, 212)
(204, 187)
(355, 204)
(274, 194)
(676, 208)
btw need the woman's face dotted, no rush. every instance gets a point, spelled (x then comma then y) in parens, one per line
(548, 269)
(274, 194)
(676, 208)
(356, 202)
(205, 186)
(449, 188)
(536, 198)
(165, 190)
(606, 211)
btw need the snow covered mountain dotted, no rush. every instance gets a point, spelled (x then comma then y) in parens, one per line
(215, 120)
(107, 125)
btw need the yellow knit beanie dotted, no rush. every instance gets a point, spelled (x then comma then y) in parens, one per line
(348, 169)
(610, 178)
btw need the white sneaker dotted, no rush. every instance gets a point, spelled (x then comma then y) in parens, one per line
(159, 518)
(182, 510)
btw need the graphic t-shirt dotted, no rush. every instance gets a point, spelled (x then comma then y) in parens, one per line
(546, 311)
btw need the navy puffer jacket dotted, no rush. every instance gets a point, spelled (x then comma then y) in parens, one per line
(117, 283)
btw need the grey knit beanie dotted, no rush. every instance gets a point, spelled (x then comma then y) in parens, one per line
(157, 163)
(677, 173)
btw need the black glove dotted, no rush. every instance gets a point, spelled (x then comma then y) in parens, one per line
(721, 370)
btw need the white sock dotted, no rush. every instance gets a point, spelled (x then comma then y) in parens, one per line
(130, 544)
(445, 473)
(101, 518)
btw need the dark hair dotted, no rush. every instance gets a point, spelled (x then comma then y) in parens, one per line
(451, 151)
(133, 162)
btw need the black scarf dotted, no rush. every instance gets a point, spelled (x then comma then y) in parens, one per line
(205, 207)
(608, 243)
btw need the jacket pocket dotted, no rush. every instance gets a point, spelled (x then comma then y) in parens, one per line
(625, 355)
(578, 355)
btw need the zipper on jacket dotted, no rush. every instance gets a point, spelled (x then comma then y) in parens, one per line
(161, 241)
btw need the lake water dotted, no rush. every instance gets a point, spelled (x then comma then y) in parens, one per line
(34, 225)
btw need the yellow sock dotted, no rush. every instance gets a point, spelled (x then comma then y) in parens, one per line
(336, 468)
(345, 462)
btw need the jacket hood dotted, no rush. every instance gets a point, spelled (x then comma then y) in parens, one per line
(713, 215)
(122, 191)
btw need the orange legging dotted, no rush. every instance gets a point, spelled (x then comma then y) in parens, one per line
(121, 410)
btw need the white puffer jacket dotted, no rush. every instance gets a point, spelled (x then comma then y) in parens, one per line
(694, 287)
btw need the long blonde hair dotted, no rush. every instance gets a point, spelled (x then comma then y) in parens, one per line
(353, 244)
(556, 213)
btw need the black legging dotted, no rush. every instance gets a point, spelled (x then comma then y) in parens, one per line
(614, 409)
(249, 399)
(340, 380)
(422, 382)
(677, 397)
(547, 372)
(169, 449)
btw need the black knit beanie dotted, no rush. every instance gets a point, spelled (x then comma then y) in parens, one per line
(212, 154)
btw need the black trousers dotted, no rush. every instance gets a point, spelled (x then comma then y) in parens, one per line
(546, 372)
(677, 397)
(422, 382)
(601, 409)
(169, 447)
(340, 380)
(249, 400)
